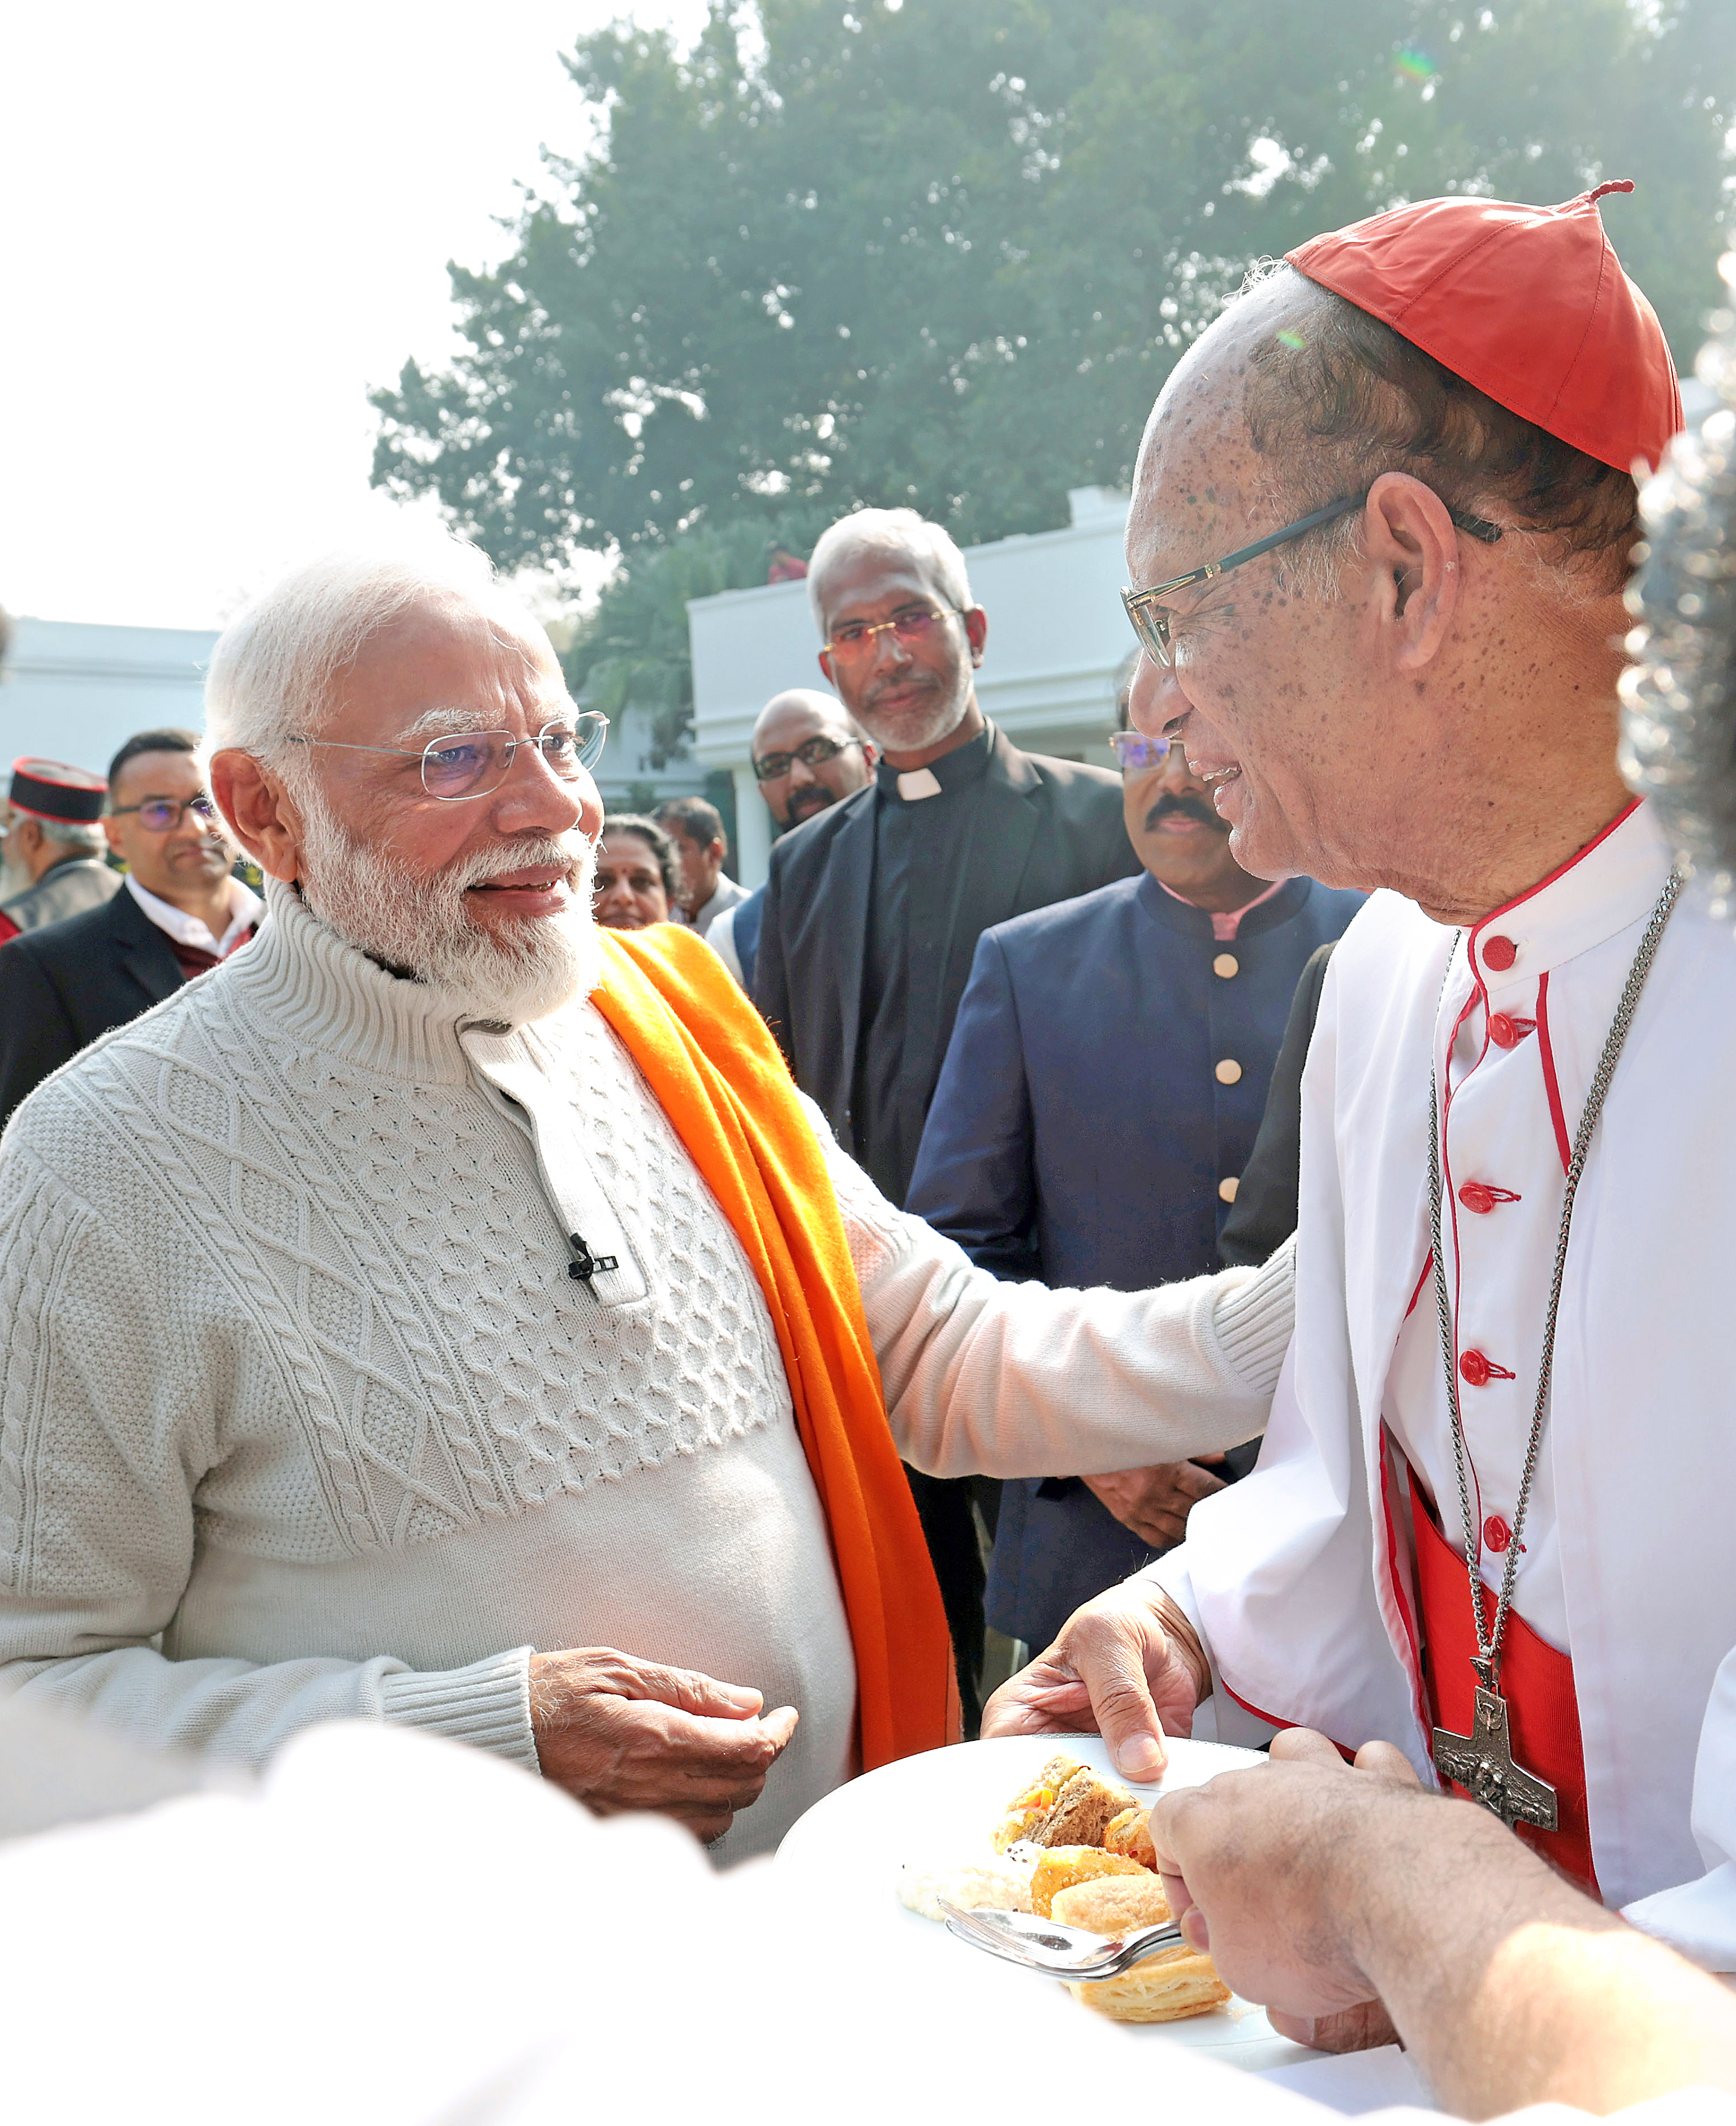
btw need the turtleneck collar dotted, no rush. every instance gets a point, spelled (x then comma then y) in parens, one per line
(324, 994)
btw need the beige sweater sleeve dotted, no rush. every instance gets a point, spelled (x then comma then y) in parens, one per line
(107, 1425)
(1014, 1380)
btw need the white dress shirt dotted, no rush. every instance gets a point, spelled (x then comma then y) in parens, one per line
(245, 909)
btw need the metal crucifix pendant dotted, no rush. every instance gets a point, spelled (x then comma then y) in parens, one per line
(1481, 1763)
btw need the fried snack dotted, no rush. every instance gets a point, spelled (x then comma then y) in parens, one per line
(1111, 1905)
(1131, 1833)
(1032, 1804)
(1084, 1808)
(1168, 1987)
(1066, 1864)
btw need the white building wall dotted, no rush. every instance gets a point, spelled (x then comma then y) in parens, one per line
(75, 690)
(1058, 637)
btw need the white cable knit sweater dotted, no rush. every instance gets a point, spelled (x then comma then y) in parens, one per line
(304, 1419)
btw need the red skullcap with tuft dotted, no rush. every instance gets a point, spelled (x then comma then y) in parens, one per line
(1529, 304)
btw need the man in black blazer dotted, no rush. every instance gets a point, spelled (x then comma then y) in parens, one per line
(177, 913)
(872, 909)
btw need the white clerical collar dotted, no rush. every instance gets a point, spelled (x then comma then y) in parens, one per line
(245, 909)
(919, 783)
(1608, 886)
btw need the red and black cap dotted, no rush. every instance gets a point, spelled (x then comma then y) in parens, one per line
(51, 790)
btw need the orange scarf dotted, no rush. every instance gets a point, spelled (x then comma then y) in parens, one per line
(720, 1078)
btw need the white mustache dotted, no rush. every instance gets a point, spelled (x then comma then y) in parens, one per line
(567, 855)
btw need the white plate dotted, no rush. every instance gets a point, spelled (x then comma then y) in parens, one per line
(939, 1809)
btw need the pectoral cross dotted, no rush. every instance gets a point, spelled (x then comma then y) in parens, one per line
(1481, 1763)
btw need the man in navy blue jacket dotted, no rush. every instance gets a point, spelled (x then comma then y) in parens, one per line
(1098, 1100)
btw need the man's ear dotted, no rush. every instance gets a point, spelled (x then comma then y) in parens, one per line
(259, 812)
(976, 631)
(112, 835)
(825, 666)
(1410, 555)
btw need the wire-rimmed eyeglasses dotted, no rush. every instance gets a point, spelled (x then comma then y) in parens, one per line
(857, 639)
(1150, 623)
(162, 815)
(475, 763)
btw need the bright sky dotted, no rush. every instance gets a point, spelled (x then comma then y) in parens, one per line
(220, 226)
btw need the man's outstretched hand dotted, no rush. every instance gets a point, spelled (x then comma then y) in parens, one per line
(1265, 1868)
(1119, 1666)
(621, 1733)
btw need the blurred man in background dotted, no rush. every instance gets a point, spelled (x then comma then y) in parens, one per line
(1099, 1097)
(806, 755)
(179, 913)
(695, 828)
(51, 861)
(873, 909)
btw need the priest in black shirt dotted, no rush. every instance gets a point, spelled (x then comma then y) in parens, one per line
(873, 908)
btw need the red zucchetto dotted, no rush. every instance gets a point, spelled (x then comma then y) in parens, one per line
(1528, 303)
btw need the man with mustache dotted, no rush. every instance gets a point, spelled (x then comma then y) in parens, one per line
(807, 755)
(447, 1312)
(1384, 514)
(177, 913)
(1098, 1101)
(872, 911)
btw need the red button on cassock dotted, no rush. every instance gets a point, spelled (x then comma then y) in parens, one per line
(1475, 1368)
(1506, 1031)
(1499, 953)
(1496, 1532)
(1477, 1196)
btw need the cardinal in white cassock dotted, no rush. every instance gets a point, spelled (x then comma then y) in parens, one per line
(1381, 527)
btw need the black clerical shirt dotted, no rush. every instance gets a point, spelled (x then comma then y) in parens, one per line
(913, 909)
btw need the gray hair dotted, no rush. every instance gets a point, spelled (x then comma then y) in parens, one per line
(272, 667)
(1678, 698)
(73, 834)
(899, 535)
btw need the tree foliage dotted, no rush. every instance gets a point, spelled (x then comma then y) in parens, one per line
(944, 253)
(634, 647)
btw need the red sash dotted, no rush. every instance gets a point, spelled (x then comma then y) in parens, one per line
(1537, 1682)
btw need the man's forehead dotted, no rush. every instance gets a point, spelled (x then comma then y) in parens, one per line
(860, 582)
(445, 660)
(166, 774)
(791, 723)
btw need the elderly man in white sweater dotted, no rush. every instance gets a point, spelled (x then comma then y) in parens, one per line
(376, 1343)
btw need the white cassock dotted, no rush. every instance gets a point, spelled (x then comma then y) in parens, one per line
(1299, 1580)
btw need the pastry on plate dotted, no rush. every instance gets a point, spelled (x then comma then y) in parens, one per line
(1062, 1865)
(1032, 1804)
(1131, 1833)
(1173, 1984)
(1111, 1905)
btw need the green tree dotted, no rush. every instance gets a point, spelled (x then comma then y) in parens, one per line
(634, 646)
(945, 252)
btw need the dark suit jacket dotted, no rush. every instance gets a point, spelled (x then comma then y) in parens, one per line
(1263, 1215)
(1080, 1134)
(63, 985)
(1045, 831)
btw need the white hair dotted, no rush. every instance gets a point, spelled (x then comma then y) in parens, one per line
(73, 834)
(272, 667)
(899, 535)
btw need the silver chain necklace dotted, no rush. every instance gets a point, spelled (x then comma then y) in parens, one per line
(1482, 1762)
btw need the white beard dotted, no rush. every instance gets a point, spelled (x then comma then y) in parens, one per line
(514, 973)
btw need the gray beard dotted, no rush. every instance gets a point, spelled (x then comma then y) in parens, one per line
(514, 974)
